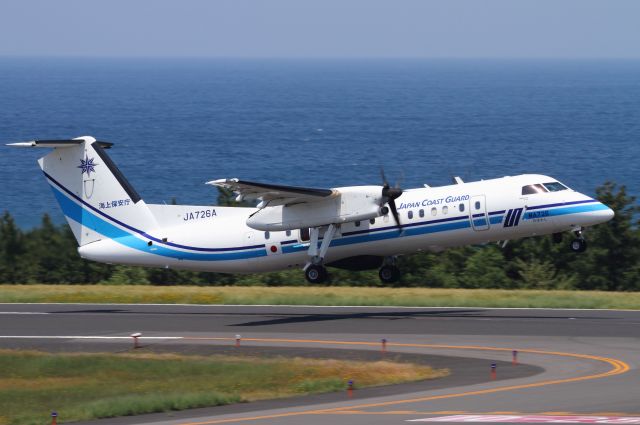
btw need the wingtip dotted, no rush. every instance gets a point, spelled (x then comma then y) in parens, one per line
(221, 182)
(22, 144)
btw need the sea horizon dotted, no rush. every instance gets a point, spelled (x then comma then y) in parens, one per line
(178, 122)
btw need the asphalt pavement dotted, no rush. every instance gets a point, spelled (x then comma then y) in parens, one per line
(570, 362)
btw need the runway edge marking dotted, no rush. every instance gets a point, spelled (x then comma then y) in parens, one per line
(329, 306)
(619, 367)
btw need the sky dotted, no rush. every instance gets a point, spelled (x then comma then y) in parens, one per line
(321, 28)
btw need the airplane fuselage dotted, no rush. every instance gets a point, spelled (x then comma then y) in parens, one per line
(211, 238)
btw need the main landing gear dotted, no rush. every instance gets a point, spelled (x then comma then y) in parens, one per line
(389, 273)
(315, 271)
(579, 244)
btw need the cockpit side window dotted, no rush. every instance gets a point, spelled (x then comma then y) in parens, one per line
(533, 188)
(555, 186)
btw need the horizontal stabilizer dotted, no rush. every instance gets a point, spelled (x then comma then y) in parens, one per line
(58, 143)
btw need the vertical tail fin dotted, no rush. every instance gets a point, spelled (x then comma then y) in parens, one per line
(94, 195)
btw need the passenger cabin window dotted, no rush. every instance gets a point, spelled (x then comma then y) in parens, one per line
(477, 205)
(267, 235)
(461, 207)
(533, 189)
(288, 232)
(372, 220)
(434, 211)
(421, 213)
(305, 234)
(357, 223)
(555, 186)
(410, 215)
(445, 210)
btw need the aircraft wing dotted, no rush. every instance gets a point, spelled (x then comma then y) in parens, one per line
(281, 195)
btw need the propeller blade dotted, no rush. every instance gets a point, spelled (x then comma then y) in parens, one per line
(390, 194)
(394, 212)
(384, 178)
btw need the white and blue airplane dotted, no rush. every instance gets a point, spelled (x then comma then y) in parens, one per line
(354, 227)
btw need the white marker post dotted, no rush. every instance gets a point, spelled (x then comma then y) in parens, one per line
(135, 337)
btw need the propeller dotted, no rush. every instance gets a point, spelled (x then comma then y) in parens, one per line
(391, 194)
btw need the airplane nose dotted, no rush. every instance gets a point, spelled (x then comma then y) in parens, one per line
(603, 214)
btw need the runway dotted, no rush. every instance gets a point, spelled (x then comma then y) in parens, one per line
(570, 362)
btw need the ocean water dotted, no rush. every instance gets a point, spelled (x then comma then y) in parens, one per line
(320, 123)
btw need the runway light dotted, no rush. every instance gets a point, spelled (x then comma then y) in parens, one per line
(135, 337)
(54, 418)
(493, 371)
(238, 338)
(350, 388)
(515, 357)
(384, 345)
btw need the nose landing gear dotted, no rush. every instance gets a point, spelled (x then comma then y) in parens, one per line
(579, 244)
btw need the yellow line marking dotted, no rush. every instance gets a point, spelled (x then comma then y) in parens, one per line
(619, 367)
(371, 412)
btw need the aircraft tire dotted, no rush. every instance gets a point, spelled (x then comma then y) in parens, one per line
(578, 245)
(389, 274)
(315, 274)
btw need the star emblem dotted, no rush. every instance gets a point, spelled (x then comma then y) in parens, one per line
(87, 166)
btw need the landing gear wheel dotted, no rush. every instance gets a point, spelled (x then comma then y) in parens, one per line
(557, 237)
(578, 245)
(315, 274)
(389, 274)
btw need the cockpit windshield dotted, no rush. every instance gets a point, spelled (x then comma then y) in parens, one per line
(532, 189)
(555, 186)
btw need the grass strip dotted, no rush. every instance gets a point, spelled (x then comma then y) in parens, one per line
(90, 386)
(295, 295)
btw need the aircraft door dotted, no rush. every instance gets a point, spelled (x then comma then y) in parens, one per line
(478, 213)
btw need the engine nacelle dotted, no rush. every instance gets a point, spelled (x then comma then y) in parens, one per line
(346, 205)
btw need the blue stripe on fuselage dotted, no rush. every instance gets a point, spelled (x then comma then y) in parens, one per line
(595, 206)
(86, 218)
